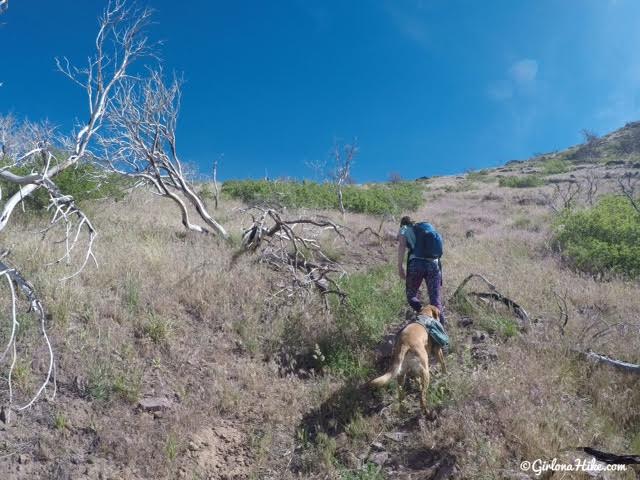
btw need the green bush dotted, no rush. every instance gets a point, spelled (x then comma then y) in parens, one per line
(485, 317)
(522, 182)
(604, 238)
(479, 176)
(555, 166)
(375, 199)
(375, 300)
(83, 181)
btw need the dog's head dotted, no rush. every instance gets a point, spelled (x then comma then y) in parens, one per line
(430, 311)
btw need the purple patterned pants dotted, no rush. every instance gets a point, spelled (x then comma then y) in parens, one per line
(417, 271)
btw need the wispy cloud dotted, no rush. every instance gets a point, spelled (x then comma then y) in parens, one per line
(409, 20)
(524, 72)
(520, 78)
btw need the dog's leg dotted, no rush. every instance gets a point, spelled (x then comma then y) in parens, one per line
(424, 379)
(441, 360)
(401, 391)
(399, 352)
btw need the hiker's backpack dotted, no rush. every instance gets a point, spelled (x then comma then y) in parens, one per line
(428, 241)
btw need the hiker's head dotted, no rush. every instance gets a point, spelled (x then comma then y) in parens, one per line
(406, 220)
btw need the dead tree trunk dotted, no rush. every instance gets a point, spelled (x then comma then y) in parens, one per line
(519, 311)
(119, 42)
(142, 145)
(216, 192)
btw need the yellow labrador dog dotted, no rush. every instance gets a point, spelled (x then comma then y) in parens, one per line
(410, 356)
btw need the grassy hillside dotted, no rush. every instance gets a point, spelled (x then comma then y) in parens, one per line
(266, 387)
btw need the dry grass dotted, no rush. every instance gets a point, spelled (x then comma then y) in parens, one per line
(168, 314)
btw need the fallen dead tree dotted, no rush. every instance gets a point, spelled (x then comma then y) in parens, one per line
(612, 362)
(612, 458)
(494, 295)
(15, 279)
(597, 329)
(293, 247)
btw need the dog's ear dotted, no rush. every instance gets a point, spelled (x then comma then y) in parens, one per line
(435, 312)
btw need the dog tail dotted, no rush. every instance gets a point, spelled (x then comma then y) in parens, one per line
(395, 369)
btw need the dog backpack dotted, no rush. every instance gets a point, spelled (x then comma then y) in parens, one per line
(428, 241)
(435, 330)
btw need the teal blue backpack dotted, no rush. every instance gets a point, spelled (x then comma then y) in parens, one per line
(435, 329)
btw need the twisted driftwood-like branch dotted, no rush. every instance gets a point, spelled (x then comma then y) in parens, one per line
(518, 310)
(142, 144)
(119, 42)
(628, 187)
(14, 278)
(612, 458)
(561, 302)
(292, 246)
(612, 362)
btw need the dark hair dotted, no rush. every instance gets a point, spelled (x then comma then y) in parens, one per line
(406, 220)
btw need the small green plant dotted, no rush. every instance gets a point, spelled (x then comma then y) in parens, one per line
(487, 318)
(26, 325)
(172, 447)
(100, 381)
(528, 181)
(370, 471)
(359, 428)
(555, 166)
(127, 385)
(157, 328)
(601, 239)
(60, 421)
(303, 437)
(505, 327)
(525, 223)
(248, 331)
(326, 448)
(22, 376)
(439, 393)
(131, 293)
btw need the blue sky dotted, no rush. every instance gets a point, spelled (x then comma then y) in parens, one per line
(426, 86)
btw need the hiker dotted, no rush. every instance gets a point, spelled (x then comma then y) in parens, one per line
(423, 263)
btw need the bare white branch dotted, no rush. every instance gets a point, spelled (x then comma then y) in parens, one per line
(36, 148)
(142, 144)
(294, 247)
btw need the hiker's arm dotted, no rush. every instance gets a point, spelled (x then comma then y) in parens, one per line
(402, 248)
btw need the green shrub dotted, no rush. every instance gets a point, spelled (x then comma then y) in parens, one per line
(505, 327)
(604, 238)
(555, 166)
(521, 182)
(375, 300)
(83, 181)
(158, 329)
(100, 381)
(463, 186)
(479, 176)
(374, 199)
(492, 321)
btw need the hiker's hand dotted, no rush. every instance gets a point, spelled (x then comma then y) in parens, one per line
(401, 273)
